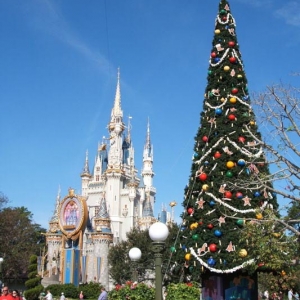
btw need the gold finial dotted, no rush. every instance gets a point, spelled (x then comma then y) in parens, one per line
(71, 192)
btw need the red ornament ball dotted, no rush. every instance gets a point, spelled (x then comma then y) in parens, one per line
(202, 176)
(205, 138)
(232, 59)
(210, 226)
(190, 211)
(213, 247)
(231, 44)
(228, 194)
(234, 91)
(231, 117)
(217, 154)
(213, 54)
(241, 139)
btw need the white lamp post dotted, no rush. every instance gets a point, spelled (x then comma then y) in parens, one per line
(135, 255)
(158, 233)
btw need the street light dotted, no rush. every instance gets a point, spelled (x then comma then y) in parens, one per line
(134, 255)
(158, 233)
(1, 261)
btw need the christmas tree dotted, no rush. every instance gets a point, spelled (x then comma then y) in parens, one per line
(222, 194)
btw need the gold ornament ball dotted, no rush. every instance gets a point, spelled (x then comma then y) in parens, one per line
(252, 123)
(232, 100)
(230, 164)
(205, 187)
(222, 99)
(226, 68)
(259, 216)
(239, 76)
(217, 31)
(193, 226)
(243, 253)
(187, 256)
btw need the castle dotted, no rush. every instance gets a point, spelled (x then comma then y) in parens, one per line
(113, 200)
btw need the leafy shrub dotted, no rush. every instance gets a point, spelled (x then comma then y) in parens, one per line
(69, 290)
(132, 291)
(90, 291)
(33, 282)
(180, 291)
(34, 293)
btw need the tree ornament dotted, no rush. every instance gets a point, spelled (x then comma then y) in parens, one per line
(234, 91)
(213, 54)
(243, 253)
(217, 59)
(195, 237)
(213, 247)
(173, 249)
(224, 19)
(222, 99)
(228, 194)
(246, 98)
(205, 138)
(252, 123)
(217, 155)
(206, 163)
(188, 256)
(240, 222)
(239, 77)
(212, 203)
(239, 195)
(226, 68)
(190, 210)
(232, 100)
(241, 139)
(218, 111)
(200, 222)
(202, 176)
(195, 155)
(217, 233)
(232, 59)
(205, 187)
(231, 117)
(193, 225)
(259, 216)
(241, 162)
(276, 234)
(217, 31)
(222, 12)
(230, 164)
(256, 194)
(231, 44)
(229, 174)
(209, 72)
(211, 262)
(210, 226)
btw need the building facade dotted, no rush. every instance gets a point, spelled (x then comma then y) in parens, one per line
(113, 200)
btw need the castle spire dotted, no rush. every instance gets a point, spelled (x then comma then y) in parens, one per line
(117, 111)
(86, 170)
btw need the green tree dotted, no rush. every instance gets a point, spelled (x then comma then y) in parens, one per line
(18, 240)
(33, 284)
(119, 261)
(221, 195)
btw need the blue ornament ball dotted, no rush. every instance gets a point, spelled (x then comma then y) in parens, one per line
(217, 59)
(241, 162)
(246, 98)
(218, 111)
(183, 247)
(247, 171)
(196, 155)
(206, 163)
(212, 203)
(218, 233)
(211, 262)
(256, 194)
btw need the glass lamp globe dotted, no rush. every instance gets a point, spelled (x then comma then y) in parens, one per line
(135, 254)
(1, 260)
(158, 232)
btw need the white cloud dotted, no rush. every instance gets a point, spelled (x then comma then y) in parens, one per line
(290, 12)
(45, 16)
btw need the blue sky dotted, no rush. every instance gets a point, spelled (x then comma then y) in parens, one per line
(58, 66)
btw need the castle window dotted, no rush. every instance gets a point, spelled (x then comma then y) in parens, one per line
(97, 177)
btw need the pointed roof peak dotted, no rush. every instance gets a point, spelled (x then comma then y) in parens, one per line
(117, 111)
(86, 170)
